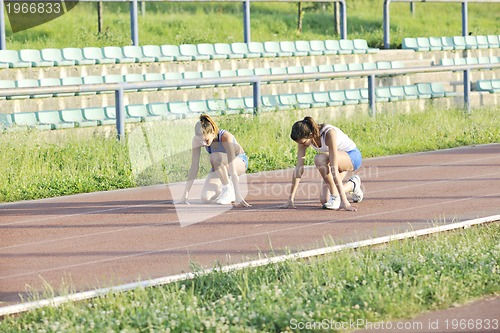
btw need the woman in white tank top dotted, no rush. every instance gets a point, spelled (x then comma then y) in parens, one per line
(337, 155)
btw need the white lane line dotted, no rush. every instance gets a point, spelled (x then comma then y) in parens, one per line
(215, 241)
(56, 301)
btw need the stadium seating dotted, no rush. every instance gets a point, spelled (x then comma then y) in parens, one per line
(492, 86)
(451, 43)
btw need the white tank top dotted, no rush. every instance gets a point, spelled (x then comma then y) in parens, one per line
(344, 143)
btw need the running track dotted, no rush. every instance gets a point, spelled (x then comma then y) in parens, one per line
(102, 239)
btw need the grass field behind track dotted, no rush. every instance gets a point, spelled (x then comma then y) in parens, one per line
(374, 285)
(184, 23)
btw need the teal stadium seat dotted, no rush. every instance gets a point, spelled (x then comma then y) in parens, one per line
(53, 118)
(323, 97)
(409, 43)
(307, 101)
(180, 109)
(337, 96)
(28, 83)
(198, 106)
(289, 47)
(436, 44)
(423, 44)
(216, 106)
(278, 71)
(35, 58)
(112, 78)
(92, 79)
(369, 66)
(424, 90)
(10, 58)
(139, 112)
(459, 42)
(382, 94)
(55, 55)
(224, 48)
(353, 96)
(50, 82)
(76, 54)
(154, 51)
(190, 50)
(397, 92)
(471, 43)
(236, 105)
(257, 47)
(493, 41)
(447, 43)
(116, 52)
(206, 49)
(411, 92)
(347, 47)
(76, 116)
(290, 101)
(271, 102)
(332, 45)
(97, 54)
(319, 46)
(173, 51)
(304, 46)
(274, 47)
(362, 45)
(335, 68)
(294, 70)
(160, 109)
(135, 52)
(7, 84)
(97, 114)
(28, 120)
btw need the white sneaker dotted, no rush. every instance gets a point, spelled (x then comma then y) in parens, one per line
(333, 203)
(357, 193)
(227, 195)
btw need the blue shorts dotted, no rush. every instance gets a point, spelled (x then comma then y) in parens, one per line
(244, 157)
(356, 158)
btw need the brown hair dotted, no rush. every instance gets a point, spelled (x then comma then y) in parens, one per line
(206, 125)
(303, 129)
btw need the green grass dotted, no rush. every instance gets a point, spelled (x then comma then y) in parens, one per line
(393, 282)
(54, 163)
(175, 23)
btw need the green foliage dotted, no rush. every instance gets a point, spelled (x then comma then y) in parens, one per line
(202, 22)
(395, 282)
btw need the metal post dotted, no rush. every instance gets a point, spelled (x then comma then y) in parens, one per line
(246, 21)
(256, 97)
(134, 26)
(467, 90)
(371, 95)
(465, 18)
(343, 20)
(3, 46)
(120, 113)
(387, 24)
(412, 8)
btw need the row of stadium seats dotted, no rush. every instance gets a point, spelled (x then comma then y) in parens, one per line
(183, 52)
(451, 43)
(492, 86)
(96, 116)
(469, 61)
(91, 79)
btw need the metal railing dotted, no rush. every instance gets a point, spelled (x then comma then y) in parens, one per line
(465, 15)
(371, 75)
(134, 26)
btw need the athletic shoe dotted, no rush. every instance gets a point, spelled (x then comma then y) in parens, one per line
(357, 193)
(333, 203)
(227, 194)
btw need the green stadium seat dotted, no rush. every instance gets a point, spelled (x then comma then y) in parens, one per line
(332, 46)
(336, 68)
(236, 105)
(423, 44)
(411, 92)
(271, 102)
(76, 55)
(447, 44)
(274, 48)
(11, 58)
(35, 58)
(198, 106)
(493, 41)
(55, 55)
(154, 51)
(139, 112)
(369, 66)
(54, 119)
(435, 44)
(382, 94)
(482, 42)
(397, 93)
(181, 109)
(290, 101)
(112, 78)
(258, 48)
(135, 52)
(439, 91)
(459, 43)
(173, 51)
(319, 46)
(409, 43)
(483, 85)
(29, 120)
(304, 46)
(289, 47)
(355, 66)
(324, 97)
(75, 116)
(206, 49)
(424, 89)
(224, 48)
(190, 50)
(161, 109)
(362, 45)
(347, 47)
(97, 114)
(116, 52)
(471, 43)
(216, 106)
(96, 54)
(337, 96)
(307, 101)
(354, 96)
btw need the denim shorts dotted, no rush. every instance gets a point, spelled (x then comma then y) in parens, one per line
(244, 157)
(356, 158)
